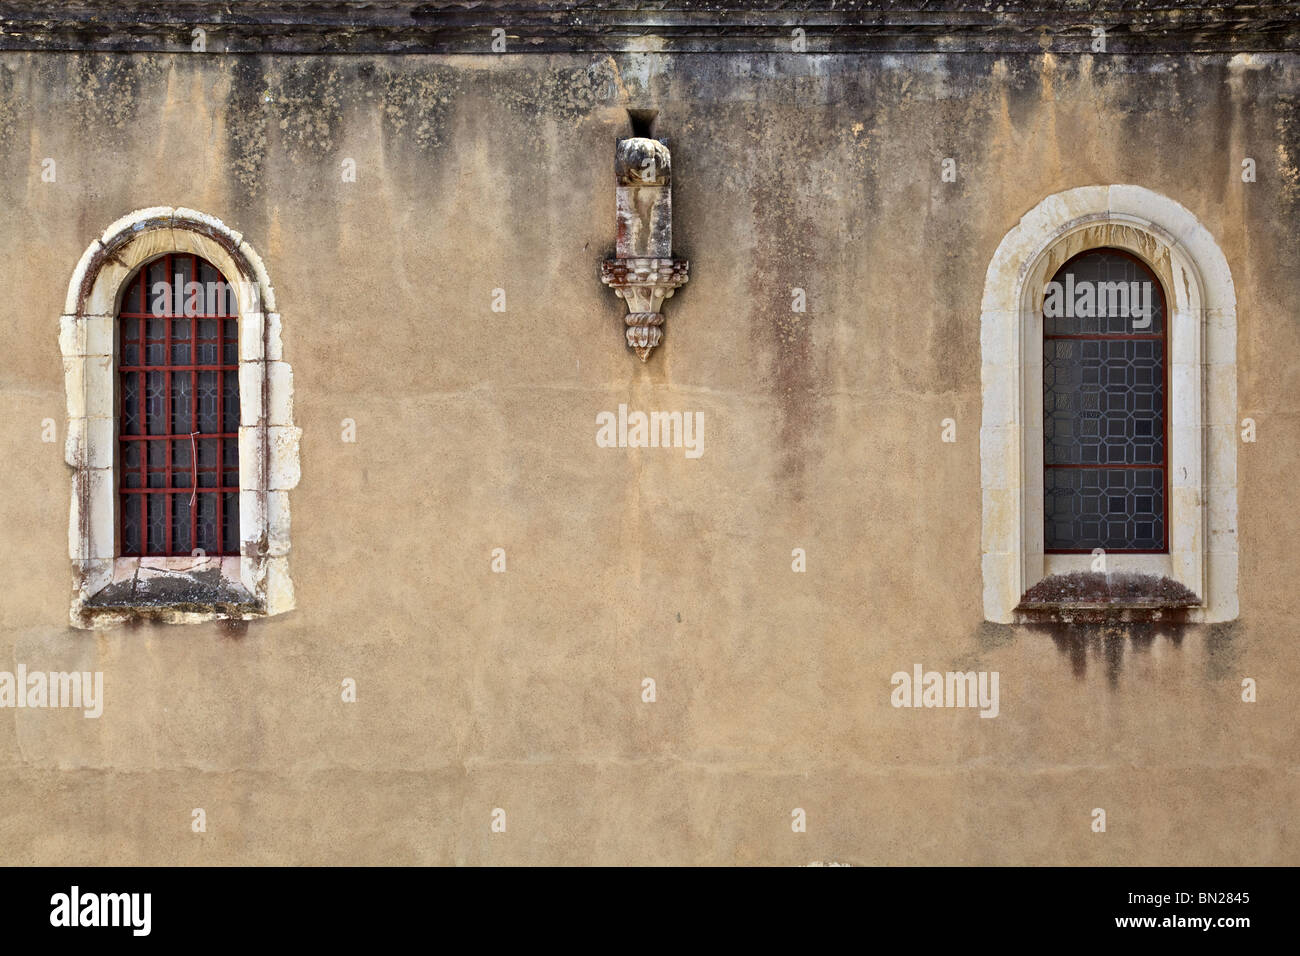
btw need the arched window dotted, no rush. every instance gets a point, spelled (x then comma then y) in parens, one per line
(180, 426)
(1115, 431)
(178, 388)
(1105, 476)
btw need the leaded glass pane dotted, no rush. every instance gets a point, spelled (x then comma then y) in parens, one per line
(1115, 509)
(1104, 395)
(1103, 402)
(1104, 292)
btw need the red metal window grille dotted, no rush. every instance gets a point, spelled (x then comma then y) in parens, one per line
(1105, 414)
(178, 411)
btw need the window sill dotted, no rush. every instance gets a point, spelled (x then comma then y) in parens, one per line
(1095, 597)
(174, 590)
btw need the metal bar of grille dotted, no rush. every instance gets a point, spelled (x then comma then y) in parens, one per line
(194, 427)
(179, 436)
(179, 489)
(143, 429)
(221, 401)
(167, 416)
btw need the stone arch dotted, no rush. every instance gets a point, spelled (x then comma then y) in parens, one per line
(110, 588)
(1203, 403)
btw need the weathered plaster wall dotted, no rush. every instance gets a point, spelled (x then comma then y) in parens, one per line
(475, 430)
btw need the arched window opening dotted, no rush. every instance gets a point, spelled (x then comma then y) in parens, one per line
(180, 426)
(178, 387)
(1105, 436)
(1115, 429)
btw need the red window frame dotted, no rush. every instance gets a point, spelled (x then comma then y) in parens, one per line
(165, 487)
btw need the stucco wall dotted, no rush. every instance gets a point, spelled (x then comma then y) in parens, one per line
(475, 430)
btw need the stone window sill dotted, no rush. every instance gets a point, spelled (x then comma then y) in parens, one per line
(174, 589)
(1096, 597)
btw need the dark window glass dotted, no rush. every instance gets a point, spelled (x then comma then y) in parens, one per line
(1104, 443)
(178, 434)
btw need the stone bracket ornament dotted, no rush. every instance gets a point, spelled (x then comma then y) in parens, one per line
(643, 272)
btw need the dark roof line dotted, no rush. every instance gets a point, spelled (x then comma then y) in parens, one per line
(675, 26)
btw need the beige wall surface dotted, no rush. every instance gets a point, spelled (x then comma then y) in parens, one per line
(476, 430)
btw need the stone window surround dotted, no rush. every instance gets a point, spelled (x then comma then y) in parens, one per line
(1202, 455)
(110, 589)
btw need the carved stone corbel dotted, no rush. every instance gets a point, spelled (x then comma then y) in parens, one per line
(643, 272)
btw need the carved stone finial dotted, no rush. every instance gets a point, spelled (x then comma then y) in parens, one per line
(644, 272)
